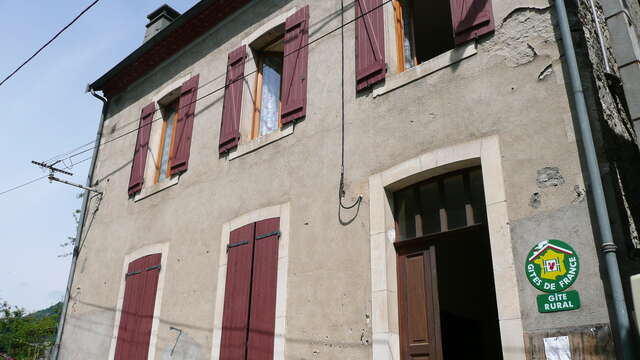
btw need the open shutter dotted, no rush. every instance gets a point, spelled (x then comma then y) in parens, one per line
(235, 318)
(263, 290)
(184, 126)
(370, 64)
(294, 68)
(136, 317)
(471, 18)
(142, 146)
(230, 126)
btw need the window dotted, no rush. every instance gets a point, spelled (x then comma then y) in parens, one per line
(164, 153)
(441, 204)
(279, 93)
(248, 319)
(423, 31)
(165, 150)
(269, 60)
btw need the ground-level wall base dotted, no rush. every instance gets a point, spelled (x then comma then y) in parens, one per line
(592, 342)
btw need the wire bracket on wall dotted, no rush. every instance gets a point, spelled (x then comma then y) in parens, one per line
(52, 176)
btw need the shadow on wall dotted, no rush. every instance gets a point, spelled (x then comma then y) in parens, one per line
(181, 345)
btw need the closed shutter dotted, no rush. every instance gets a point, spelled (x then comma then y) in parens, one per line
(142, 147)
(370, 64)
(235, 318)
(184, 126)
(136, 317)
(263, 290)
(471, 18)
(294, 68)
(230, 125)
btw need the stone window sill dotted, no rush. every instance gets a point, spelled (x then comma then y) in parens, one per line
(150, 190)
(259, 142)
(429, 67)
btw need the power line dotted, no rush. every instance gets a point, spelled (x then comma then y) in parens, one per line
(48, 42)
(222, 87)
(23, 185)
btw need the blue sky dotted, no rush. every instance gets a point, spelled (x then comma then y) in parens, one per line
(45, 113)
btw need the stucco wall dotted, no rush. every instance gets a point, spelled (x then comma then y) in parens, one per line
(512, 87)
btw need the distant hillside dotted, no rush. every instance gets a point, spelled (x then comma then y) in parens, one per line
(55, 309)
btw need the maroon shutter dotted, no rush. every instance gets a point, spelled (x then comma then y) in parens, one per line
(230, 126)
(370, 65)
(294, 68)
(471, 18)
(184, 126)
(142, 146)
(235, 318)
(263, 290)
(136, 317)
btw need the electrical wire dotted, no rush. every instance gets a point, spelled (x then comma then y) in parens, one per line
(23, 185)
(226, 85)
(48, 42)
(341, 191)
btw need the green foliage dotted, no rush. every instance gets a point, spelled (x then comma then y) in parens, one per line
(27, 336)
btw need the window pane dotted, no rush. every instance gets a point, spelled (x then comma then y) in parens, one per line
(166, 144)
(430, 200)
(270, 106)
(454, 196)
(407, 30)
(477, 196)
(406, 209)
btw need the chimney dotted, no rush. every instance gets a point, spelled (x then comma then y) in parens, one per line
(160, 19)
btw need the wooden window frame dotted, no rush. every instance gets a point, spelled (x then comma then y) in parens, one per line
(399, 25)
(444, 223)
(163, 133)
(255, 126)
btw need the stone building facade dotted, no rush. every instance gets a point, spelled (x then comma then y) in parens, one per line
(221, 231)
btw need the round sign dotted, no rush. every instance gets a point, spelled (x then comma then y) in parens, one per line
(552, 266)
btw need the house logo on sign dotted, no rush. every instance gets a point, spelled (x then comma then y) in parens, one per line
(552, 266)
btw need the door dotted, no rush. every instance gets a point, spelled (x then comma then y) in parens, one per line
(446, 293)
(418, 301)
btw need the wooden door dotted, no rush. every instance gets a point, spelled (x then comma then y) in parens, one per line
(418, 301)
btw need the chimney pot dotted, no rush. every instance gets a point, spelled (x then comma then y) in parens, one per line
(160, 19)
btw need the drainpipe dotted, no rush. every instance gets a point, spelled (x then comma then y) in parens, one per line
(621, 327)
(83, 210)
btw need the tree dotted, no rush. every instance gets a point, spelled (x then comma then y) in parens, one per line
(27, 336)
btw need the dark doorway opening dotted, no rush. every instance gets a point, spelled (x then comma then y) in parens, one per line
(466, 293)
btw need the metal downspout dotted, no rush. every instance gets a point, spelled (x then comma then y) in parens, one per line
(621, 327)
(83, 209)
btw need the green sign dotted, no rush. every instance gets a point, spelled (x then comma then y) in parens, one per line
(552, 266)
(563, 301)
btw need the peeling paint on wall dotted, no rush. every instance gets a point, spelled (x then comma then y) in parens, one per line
(580, 194)
(536, 200)
(522, 35)
(548, 70)
(549, 177)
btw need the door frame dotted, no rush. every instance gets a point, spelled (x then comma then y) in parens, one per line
(384, 307)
